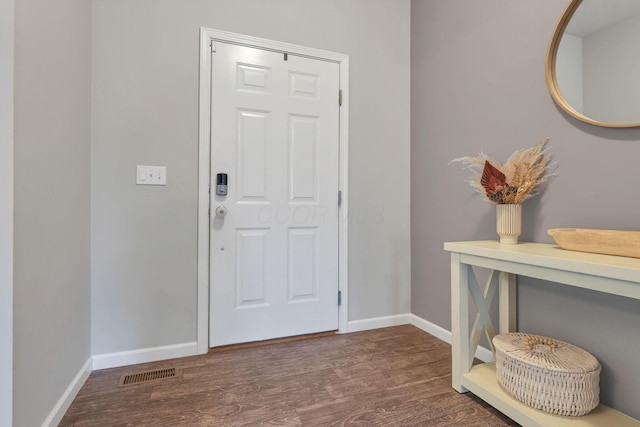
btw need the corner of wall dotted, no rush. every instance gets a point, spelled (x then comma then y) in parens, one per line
(6, 210)
(63, 404)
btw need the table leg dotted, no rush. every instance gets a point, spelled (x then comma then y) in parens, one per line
(507, 303)
(460, 352)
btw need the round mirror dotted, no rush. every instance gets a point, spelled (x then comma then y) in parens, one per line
(593, 64)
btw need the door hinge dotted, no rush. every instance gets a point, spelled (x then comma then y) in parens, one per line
(286, 56)
(212, 45)
(209, 212)
(339, 198)
(340, 98)
(339, 297)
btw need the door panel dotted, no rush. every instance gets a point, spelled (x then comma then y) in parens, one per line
(252, 154)
(303, 166)
(274, 256)
(303, 265)
(251, 247)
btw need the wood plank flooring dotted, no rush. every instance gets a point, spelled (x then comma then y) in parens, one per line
(399, 376)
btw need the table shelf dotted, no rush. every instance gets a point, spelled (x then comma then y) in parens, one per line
(481, 380)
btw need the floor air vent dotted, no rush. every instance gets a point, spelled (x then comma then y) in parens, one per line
(149, 376)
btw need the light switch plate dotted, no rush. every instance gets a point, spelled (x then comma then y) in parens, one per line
(151, 175)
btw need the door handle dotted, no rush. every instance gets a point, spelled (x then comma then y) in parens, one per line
(221, 211)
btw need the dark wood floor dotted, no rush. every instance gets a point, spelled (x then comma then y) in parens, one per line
(397, 376)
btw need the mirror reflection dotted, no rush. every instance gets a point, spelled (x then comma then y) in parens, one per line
(597, 64)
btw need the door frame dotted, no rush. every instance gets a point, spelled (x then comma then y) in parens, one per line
(207, 36)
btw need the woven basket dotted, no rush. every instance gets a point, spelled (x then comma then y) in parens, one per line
(548, 374)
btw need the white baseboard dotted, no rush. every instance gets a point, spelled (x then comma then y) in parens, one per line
(431, 328)
(378, 322)
(60, 408)
(482, 353)
(152, 354)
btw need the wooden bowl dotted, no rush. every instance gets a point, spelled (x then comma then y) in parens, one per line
(608, 242)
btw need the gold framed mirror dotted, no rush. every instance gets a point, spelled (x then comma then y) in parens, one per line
(593, 62)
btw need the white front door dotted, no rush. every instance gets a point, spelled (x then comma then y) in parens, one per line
(274, 255)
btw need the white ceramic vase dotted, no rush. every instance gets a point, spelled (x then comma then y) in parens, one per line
(509, 223)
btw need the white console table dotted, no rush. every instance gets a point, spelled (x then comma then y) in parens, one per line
(602, 273)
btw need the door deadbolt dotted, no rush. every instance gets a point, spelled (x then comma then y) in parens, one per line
(221, 184)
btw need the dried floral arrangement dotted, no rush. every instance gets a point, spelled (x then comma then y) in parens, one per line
(515, 181)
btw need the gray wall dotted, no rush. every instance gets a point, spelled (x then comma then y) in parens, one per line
(478, 84)
(6, 211)
(51, 240)
(145, 111)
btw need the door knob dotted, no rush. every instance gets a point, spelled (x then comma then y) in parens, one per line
(221, 211)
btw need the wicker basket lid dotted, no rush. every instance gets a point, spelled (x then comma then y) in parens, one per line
(547, 353)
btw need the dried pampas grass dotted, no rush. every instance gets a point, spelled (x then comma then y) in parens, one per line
(514, 182)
